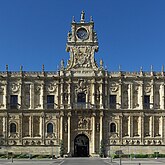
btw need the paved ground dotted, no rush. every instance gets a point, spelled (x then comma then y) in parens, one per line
(85, 161)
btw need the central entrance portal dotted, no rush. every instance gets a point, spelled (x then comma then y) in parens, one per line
(81, 146)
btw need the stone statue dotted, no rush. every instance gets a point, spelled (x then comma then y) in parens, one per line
(82, 16)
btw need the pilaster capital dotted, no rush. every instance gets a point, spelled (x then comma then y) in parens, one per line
(69, 114)
(93, 114)
(101, 114)
(61, 114)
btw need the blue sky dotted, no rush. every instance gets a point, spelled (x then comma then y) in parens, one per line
(131, 33)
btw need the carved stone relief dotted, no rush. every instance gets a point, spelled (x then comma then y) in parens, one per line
(81, 86)
(51, 87)
(84, 123)
(147, 88)
(114, 87)
(14, 87)
(82, 57)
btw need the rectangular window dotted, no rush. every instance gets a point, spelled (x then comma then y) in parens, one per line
(112, 101)
(50, 101)
(146, 102)
(13, 101)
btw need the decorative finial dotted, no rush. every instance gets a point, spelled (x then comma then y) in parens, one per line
(151, 68)
(73, 19)
(162, 68)
(101, 63)
(119, 68)
(62, 64)
(21, 68)
(7, 68)
(43, 67)
(82, 16)
(91, 19)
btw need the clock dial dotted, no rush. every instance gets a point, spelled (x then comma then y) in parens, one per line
(82, 34)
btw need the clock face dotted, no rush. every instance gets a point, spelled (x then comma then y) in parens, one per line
(82, 34)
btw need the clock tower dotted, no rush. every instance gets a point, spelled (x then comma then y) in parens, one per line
(82, 44)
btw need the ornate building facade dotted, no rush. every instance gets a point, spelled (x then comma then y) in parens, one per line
(82, 104)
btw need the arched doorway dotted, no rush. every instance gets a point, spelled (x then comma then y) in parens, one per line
(81, 146)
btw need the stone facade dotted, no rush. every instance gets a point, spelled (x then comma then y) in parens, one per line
(82, 104)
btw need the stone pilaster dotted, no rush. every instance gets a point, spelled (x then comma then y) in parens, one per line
(101, 94)
(69, 94)
(162, 96)
(121, 129)
(5, 97)
(69, 132)
(20, 128)
(31, 96)
(61, 93)
(93, 132)
(101, 126)
(42, 128)
(152, 126)
(140, 96)
(129, 126)
(162, 130)
(141, 127)
(93, 92)
(152, 96)
(42, 96)
(20, 97)
(5, 128)
(61, 125)
(31, 126)
(119, 105)
(130, 96)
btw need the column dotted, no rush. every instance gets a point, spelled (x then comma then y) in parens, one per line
(119, 105)
(152, 96)
(106, 96)
(152, 126)
(42, 127)
(130, 96)
(20, 101)
(69, 116)
(42, 96)
(20, 128)
(161, 96)
(93, 133)
(31, 126)
(5, 101)
(140, 96)
(5, 128)
(93, 92)
(101, 94)
(130, 126)
(61, 125)
(31, 96)
(162, 130)
(69, 94)
(141, 127)
(61, 92)
(101, 126)
(121, 129)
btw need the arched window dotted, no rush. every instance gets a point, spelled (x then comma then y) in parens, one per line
(49, 128)
(81, 97)
(112, 127)
(12, 128)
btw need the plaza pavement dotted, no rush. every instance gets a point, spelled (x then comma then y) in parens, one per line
(83, 161)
